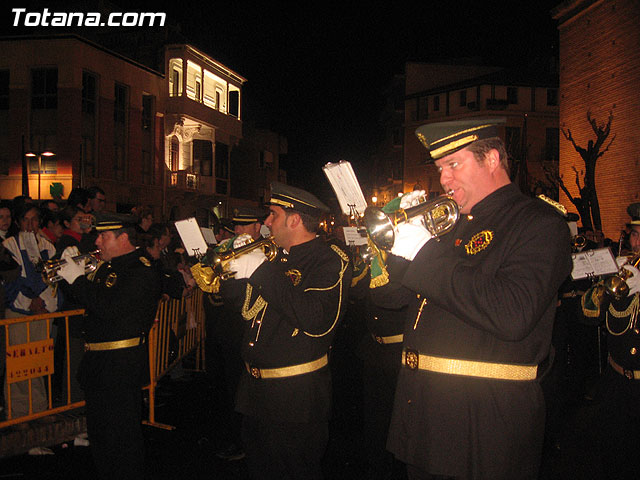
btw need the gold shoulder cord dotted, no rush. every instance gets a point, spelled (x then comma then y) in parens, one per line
(631, 311)
(250, 314)
(344, 260)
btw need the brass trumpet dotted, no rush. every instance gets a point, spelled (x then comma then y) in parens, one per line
(616, 285)
(219, 261)
(50, 268)
(440, 215)
(214, 266)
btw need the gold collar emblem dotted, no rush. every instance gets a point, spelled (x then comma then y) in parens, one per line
(479, 242)
(111, 280)
(145, 261)
(295, 276)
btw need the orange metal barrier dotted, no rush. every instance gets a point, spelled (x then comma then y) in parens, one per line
(178, 331)
(25, 363)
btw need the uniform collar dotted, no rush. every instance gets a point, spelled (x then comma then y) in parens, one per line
(126, 259)
(495, 200)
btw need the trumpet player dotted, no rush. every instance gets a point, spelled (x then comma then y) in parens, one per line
(619, 390)
(120, 302)
(481, 302)
(290, 308)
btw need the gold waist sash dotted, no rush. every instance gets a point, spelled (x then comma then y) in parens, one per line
(115, 345)
(453, 366)
(291, 371)
(387, 340)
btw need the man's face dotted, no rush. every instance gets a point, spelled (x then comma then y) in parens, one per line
(277, 222)
(5, 218)
(464, 178)
(634, 238)
(165, 240)
(155, 249)
(30, 222)
(252, 229)
(111, 246)
(98, 203)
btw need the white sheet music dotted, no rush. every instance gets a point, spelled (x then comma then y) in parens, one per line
(592, 263)
(345, 184)
(191, 237)
(353, 237)
(208, 235)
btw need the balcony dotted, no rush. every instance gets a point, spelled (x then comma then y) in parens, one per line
(184, 180)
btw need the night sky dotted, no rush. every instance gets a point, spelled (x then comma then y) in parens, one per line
(317, 70)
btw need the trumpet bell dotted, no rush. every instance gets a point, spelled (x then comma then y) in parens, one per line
(439, 215)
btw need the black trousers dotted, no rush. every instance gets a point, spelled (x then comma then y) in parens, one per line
(115, 432)
(283, 451)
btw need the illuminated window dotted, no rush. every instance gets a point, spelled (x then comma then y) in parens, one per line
(174, 154)
(175, 77)
(194, 81)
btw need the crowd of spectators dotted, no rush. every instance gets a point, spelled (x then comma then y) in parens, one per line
(34, 232)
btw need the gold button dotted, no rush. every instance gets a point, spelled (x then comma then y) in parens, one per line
(251, 344)
(408, 401)
(633, 350)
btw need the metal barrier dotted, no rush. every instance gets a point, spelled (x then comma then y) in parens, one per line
(178, 331)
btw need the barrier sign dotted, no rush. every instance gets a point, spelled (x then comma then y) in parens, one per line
(29, 360)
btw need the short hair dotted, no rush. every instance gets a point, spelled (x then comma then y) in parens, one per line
(94, 190)
(309, 222)
(6, 204)
(47, 216)
(23, 209)
(480, 149)
(157, 230)
(131, 232)
(78, 196)
(144, 212)
(68, 212)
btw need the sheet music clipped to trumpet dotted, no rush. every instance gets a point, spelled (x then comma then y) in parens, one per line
(346, 187)
(192, 237)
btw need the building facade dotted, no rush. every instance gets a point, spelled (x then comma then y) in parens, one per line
(526, 98)
(600, 74)
(162, 138)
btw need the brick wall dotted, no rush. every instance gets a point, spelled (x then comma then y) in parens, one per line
(600, 72)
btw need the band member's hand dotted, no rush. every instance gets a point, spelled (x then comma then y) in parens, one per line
(411, 199)
(633, 282)
(409, 240)
(241, 240)
(70, 271)
(246, 264)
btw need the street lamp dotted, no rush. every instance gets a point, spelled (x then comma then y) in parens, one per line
(46, 153)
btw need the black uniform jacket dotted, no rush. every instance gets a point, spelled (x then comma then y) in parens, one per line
(121, 303)
(488, 292)
(291, 307)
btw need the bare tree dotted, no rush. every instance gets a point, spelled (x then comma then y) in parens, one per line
(587, 203)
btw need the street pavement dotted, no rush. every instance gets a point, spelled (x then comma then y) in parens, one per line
(189, 403)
